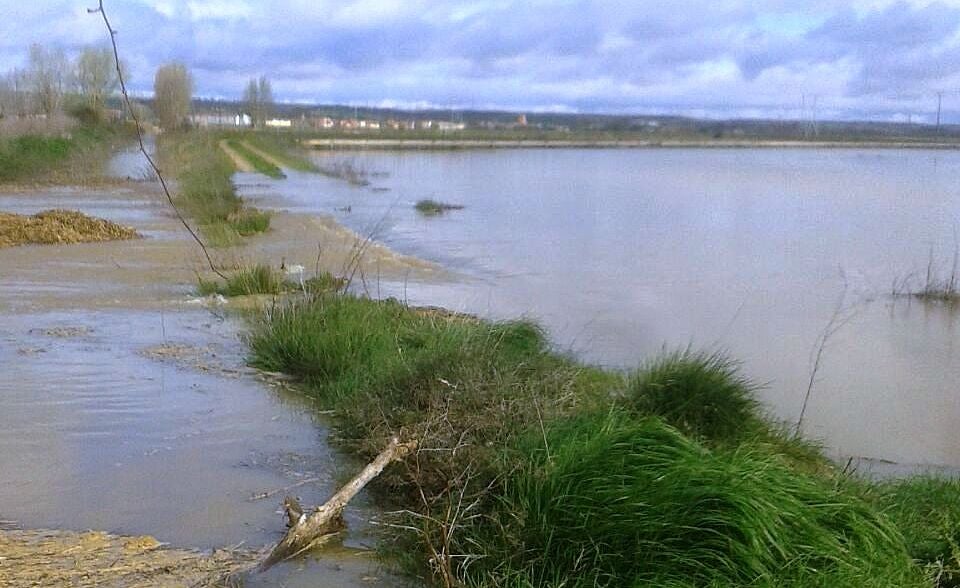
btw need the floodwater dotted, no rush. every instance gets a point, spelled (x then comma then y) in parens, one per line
(126, 405)
(622, 253)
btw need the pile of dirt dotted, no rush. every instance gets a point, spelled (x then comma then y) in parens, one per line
(59, 226)
(81, 560)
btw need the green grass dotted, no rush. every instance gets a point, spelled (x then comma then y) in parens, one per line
(702, 394)
(430, 207)
(205, 190)
(33, 157)
(262, 279)
(611, 500)
(927, 511)
(283, 148)
(259, 279)
(536, 470)
(260, 164)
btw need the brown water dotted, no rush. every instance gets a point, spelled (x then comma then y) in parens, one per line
(126, 405)
(620, 253)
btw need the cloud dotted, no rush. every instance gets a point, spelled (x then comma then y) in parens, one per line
(875, 58)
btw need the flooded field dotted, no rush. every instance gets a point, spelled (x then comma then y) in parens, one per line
(622, 253)
(127, 406)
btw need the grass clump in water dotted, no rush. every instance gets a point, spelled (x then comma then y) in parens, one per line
(430, 207)
(259, 279)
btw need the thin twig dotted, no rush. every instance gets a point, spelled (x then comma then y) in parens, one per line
(143, 149)
(264, 495)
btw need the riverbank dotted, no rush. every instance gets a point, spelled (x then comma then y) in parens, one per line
(536, 470)
(453, 143)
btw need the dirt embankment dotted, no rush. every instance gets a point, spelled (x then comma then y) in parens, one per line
(59, 226)
(240, 162)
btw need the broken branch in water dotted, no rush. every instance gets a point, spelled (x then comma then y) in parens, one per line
(308, 531)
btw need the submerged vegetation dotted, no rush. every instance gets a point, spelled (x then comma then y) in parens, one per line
(430, 207)
(206, 191)
(535, 470)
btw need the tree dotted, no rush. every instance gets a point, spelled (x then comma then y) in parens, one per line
(48, 74)
(13, 94)
(266, 98)
(96, 75)
(258, 99)
(172, 91)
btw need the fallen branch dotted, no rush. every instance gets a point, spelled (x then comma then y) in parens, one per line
(311, 530)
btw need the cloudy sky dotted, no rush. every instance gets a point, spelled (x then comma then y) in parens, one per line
(875, 59)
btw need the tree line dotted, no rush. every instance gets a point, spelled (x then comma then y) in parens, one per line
(52, 82)
(50, 77)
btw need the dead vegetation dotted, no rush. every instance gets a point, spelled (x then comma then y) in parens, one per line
(59, 227)
(81, 560)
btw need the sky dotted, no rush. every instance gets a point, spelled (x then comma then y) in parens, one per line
(780, 59)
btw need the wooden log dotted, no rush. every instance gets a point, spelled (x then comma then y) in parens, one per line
(308, 531)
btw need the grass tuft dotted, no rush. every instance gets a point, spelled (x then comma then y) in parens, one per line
(702, 394)
(430, 207)
(259, 279)
(612, 500)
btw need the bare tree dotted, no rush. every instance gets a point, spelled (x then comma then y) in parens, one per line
(266, 98)
(258, 99)
(251, 101)
(48, 75)
(172, 91)
(96, 75)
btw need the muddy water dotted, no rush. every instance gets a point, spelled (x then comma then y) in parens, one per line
(126, 406)
(620, 253)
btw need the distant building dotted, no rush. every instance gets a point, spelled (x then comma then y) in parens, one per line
(450, 126)
(522, 120)
(204, 120)
(279, 123)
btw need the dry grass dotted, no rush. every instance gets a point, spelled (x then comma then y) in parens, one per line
(85, 560)
(58, 227)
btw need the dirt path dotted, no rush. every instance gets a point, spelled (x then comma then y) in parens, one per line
(239, 161)
(268, 157)
(82, 560)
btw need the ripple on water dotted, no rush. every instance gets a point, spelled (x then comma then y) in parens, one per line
(95, 434)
